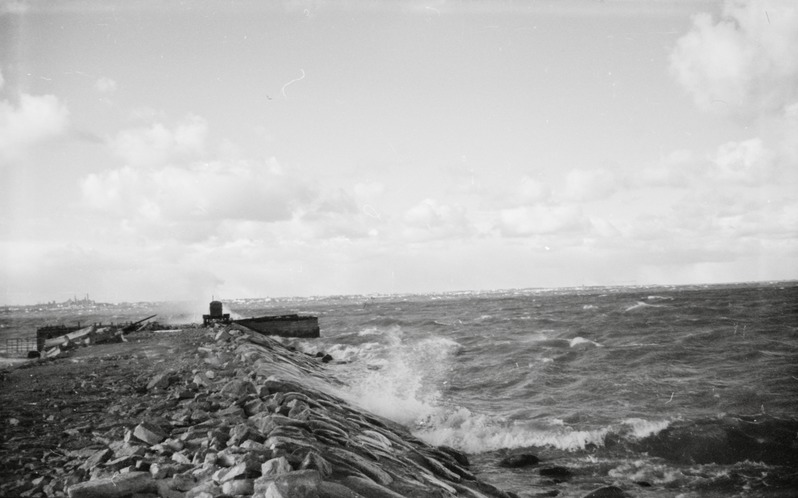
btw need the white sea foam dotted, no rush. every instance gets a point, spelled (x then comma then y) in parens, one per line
(581, 341)
(641, 304)
(641, 428)
(659, 298)
(369, 331)
(477, 433)
(645, 470)
(398, 378)
(349, 352)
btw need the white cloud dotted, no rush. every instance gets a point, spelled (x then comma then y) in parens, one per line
(532, 191)
(158, 144)
(589, 185)
(191, 201)
(105, 85)
(539, 219)
(34, 120)
(433, 219)
(676, 169)
(744, 63)
(368, 190)
(748, 162)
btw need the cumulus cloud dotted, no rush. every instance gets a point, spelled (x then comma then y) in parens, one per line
(540, 219)
(589, 185)
(531, 191)
(744, 62)
(105, 85)
(748, 162)
(676, 170)
(431, 218)
(159, 144)
(33, 120)
(368, 190)
(193, 199)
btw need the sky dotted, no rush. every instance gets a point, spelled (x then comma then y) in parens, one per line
(155, 151)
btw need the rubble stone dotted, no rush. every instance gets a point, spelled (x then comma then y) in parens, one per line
(239, 487)
(275, 467)
(149, 433)
(114, 487)
(160, 381)
(244, 428)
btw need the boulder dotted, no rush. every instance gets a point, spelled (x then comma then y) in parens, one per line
(368, 488)
(239, 487)
(97, 458)
(114, 487)
(608, 492)
(161, 381)
(275, 467)
(149, 433)
(238, 387)
(329, 489)
(297, 484)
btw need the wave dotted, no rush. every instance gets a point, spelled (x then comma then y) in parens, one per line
(480, 433)
(400, 377)
(576, 342)
(725, 440)
(643, 305)
(728, 440)
(581, 341)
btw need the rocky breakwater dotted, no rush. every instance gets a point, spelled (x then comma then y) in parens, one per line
(244, 416)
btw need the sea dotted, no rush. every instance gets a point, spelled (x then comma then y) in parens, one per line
(662, 391)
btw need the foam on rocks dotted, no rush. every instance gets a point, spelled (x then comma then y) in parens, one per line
(251, 418)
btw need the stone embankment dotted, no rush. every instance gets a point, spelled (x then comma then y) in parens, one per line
(233, 414)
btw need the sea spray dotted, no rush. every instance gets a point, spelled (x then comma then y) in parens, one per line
(398, 377)
(692, 394)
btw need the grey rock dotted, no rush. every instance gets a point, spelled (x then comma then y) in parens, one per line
(329, 489)
(608, 492)
(298, 484)
(161, 381)
(239, 487)
(114, 487)
(149, 433)
(275, 467)
(368, 488)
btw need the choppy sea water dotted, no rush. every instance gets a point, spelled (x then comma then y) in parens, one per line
(662, 391)
(679, 391)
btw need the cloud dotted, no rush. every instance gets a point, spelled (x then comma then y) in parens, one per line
(539, 219)
(158, 144)
(743, 63)
(748, 162)
(368, 190)
(191, 201)
(531, 191)
(331, 215)
(14, 7)
(675, 170)
(105, 85)
(432, 219)
(34, 120)
(589, 185)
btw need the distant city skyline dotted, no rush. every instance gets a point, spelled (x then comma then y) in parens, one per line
(158, 152)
